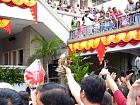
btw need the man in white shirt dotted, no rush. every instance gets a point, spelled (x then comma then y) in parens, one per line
(130, 7)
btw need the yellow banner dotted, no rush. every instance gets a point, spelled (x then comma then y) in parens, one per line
(4, 22)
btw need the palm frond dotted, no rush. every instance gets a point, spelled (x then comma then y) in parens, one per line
(47, 49)
(39, 40)
(55, 43)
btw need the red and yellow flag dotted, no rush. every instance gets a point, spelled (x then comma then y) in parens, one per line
(6, 25)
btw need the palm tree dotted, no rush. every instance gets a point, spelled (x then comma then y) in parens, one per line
(47, 50)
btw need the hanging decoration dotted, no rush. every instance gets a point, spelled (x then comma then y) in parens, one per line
(32, 4)
(5, 24)
(100, 44)
(34, 13)
(101, 51)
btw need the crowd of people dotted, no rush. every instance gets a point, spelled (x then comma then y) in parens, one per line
(72, 8)
(102, 89)
(100, 21)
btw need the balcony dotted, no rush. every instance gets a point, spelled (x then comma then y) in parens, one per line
(124, 23)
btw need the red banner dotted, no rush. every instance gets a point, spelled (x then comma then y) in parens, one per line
(34, 13)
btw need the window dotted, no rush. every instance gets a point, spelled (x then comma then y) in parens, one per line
(5, 58)
(20, 57)
(14, 58)
(9, 58)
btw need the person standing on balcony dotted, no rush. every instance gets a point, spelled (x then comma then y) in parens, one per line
(129, 9)
(80, 29)
(74, 24)
(110, 11)
(65, 5)
(137, 16)
(117, 17)
(73, 8)
(101, 20)
(90, 21)
(87, 18)
(108, 22)
(78, 9)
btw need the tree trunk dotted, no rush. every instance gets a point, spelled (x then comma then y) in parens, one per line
(45, 65)
(47, 71)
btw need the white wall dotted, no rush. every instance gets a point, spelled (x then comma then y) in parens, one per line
(67, 17)
(45, 14)
(120, 4)
(20, 87)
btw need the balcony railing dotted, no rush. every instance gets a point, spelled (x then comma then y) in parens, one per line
(106, 26)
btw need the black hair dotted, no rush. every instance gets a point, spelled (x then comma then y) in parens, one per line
(94, 88)
(25, 96)
(4, 101)
(28, 90)
(124, 90)
(12, 96)
(122, 74)
(55, 97)
(72, 97)
(54, 94)
(50, 86)
(107, 99)
(75, 17)
(110, 92)
(113, 8)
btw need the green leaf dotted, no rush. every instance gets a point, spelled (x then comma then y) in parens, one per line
(11, 75)
(47, 50)
(79, 67)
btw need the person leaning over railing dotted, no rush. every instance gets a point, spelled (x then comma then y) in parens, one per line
(116, 14)
(108, 22)
(137, 15)
(101, 20)
(130, 7)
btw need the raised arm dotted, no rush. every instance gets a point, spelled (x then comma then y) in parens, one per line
(134, 94)
(73, 85)
(119, 97)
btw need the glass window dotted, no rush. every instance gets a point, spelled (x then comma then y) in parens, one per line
(20, 57)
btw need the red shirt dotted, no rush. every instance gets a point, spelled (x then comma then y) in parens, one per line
(117, 13)
(119, 98)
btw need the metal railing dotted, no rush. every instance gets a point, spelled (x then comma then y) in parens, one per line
(106, 26)
(13, 67)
